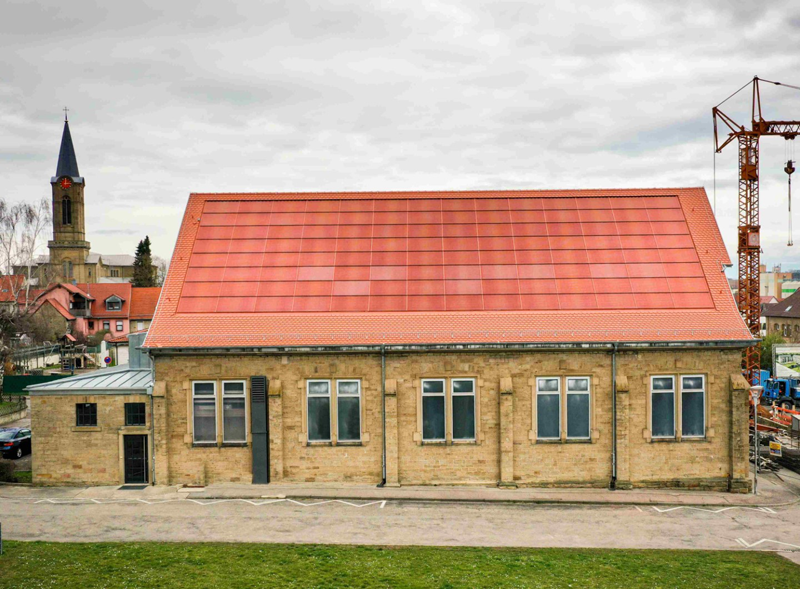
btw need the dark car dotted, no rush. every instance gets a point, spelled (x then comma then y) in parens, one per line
(15, 442)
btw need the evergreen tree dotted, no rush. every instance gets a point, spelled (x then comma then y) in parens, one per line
(144, 272)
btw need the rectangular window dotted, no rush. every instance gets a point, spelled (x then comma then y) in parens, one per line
(693, 406)
(119, 325)
(86, 414)
(134, 414)
(91, 324)
(348, 410)
(433, 410)
(113, 305)
(548, 408)
(107, 325)
(319, 410)
(662, 398)
(139, 325)
(578, 408)
(462, 392)
(204, 411)
(234, 424)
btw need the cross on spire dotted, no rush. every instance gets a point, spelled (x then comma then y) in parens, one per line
(65, 114)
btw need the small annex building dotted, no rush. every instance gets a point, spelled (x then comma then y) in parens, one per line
(95, 427)
(517, 338)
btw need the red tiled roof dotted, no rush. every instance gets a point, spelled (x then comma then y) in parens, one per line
(438, 267)
(101, 291)
(58, 307)
(143, 301)
(10, 286)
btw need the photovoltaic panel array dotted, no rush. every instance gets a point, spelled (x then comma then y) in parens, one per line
(443, 254)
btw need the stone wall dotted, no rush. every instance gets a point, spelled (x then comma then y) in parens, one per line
(506, 450)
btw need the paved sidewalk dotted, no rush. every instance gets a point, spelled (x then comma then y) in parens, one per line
(774, 490)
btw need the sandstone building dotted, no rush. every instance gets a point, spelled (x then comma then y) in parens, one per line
(530, 338)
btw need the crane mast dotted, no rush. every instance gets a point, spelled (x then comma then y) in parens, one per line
(749, 240)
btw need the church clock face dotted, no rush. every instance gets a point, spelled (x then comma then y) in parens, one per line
(65, 183)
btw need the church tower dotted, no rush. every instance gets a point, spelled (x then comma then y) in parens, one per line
(68, 248)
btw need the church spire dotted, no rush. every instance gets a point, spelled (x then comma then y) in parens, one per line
(67, 162)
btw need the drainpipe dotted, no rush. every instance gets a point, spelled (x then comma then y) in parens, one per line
(613, 484)
(383, 413)
(152, 440)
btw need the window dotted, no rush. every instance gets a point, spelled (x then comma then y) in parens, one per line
(348, 410)
(662, 399)
(134, 414)
(318, 398)
(204, 411)
(114, 272)
(693, 406)
(548, 408)
(86, 414)
(139, 325)
(67, 269)
(433, 410)
(113, 304)
(66, 210)
(91, 324)
(462, 392)
(119, 326)
(234, 424)
(578, 408)
(107, 325)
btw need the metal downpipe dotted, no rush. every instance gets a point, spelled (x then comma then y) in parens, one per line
(613, 484)
(383, 415)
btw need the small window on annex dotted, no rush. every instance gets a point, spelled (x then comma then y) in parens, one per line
(86, 414)
(462, 392)
(234, 422)
(578, 408)
(204, 412)
(134, 414)
(348, 410)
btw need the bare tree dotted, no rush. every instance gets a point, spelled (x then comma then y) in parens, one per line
(22, 231)
(162, 266)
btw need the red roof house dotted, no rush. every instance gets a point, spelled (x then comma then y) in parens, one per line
(632, 265)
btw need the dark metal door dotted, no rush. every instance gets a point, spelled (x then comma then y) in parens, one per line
(135, 459)
(259, 428)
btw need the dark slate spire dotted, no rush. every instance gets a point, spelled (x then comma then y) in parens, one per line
(67, 163)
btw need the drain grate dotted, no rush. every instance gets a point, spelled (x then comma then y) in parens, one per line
(133, 487)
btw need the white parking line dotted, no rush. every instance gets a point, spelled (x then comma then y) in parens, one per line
(746, 544)
(76, 500)
(720, 510)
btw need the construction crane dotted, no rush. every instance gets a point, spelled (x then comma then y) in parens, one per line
(749, 243)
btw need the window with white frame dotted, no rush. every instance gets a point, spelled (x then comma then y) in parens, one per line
(548, 408)
(693, 406)
(119, 326)
(462, 392)
(318, 399)
(578, 408)
(348, 410)
(234, 422)
(662, 406)
(433, 410)
(204, 411)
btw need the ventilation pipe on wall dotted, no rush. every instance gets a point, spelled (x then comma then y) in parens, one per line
(613, 484)
(383, 414)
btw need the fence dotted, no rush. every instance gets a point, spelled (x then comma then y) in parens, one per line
(13, 406)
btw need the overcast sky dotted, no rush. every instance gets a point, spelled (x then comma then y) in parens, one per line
(172, 97)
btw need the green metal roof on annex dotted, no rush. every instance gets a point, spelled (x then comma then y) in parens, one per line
(120, 380)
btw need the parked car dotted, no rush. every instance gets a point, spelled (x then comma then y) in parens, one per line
(15, 442)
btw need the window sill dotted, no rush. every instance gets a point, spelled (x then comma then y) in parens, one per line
(566, 441)
(85, 428)
(204, 444)
(334, 444)
(350, 443)
(234, 444)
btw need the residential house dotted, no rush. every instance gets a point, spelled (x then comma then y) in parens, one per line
(525, 338)
(784, 318)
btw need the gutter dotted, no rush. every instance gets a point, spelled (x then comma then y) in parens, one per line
(460, 347)
(383, 415)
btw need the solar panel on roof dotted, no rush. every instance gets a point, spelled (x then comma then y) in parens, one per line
(455, 254)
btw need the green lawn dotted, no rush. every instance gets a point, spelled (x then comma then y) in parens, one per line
(23, 476)
(47, 564)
